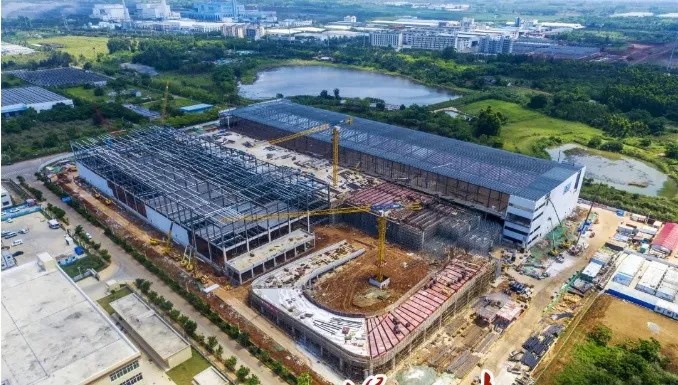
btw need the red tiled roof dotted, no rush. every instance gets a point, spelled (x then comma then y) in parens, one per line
(667, 237)
(387, 330)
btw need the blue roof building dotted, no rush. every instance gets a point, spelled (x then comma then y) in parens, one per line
(196, 108)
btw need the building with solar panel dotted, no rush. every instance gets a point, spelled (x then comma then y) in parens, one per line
(20, 99)
(530, 195)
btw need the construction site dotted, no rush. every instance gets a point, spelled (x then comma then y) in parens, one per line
(358, 258)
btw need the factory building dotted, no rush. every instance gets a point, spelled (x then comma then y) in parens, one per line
(19, 99)
(200, 191)
(114, 13)
(531, 196)
(52, 333)
(491, 44)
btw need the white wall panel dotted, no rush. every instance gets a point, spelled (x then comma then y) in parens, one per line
(160, 222)
(95, 180)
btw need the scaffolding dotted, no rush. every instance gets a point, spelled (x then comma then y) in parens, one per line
(482, 176)
(194, 183)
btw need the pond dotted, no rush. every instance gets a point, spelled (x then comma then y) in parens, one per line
(618, 171)
(311, 79)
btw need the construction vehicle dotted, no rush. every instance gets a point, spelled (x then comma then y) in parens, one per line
(154, 242)
(167, 244)
(381, 210)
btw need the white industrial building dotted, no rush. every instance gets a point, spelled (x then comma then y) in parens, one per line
(52, 333)
(115, 13)
(165, 346)
(386, 39)
(646, 281)
(19, 99)
(155, 10)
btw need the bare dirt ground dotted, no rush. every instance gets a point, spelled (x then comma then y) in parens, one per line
(627, 322)
(346, 289)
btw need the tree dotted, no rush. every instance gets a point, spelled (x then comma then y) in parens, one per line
(242, 373)
(336, 93)
(230, 363)
(324, 94)
(304, 379)
(252, 380)
(600, 334)
(99, 91)
(488, 122)
(595, 142)
(78, 230)
(538, 101)
(190, 327)
(671, 150)
(612, 146)
(211, 343)
(219, 351)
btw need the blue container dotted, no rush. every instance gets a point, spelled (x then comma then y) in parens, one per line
(79, 250)
(66, 199)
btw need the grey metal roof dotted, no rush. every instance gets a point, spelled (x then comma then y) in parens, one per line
(59, 76)
(29, 95)
(496, 169)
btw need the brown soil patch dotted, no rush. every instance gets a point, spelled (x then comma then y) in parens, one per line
(346, 289)
(627, 321)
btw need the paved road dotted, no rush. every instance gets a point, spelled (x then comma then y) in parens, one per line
(29, 167)
(125, 268)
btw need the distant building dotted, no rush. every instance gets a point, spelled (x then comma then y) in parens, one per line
(492, 44)
(155, 11)
(110, 13)
(52, 333)
(20, 99)
(350, 19)
(428, 40)
(386, 39)
(215, 10)
(196, 108)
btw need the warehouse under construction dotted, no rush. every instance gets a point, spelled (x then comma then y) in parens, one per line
(192, 188)
(530, 196)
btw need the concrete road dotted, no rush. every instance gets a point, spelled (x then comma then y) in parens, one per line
(125, 268)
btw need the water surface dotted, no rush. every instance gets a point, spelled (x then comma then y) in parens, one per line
(311, 79)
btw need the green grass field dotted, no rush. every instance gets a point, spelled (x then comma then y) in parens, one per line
(106, 301)
(88, 46)
(88, 262)
(526, 128)
(184, 373)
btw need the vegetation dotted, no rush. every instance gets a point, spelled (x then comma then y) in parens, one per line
(631, 362)
(83, 264)
(183, 374)
(106, 301)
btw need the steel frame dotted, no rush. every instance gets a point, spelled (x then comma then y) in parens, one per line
(195, 183)
(494, 169)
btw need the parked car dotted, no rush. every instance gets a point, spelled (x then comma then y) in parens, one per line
(17, 242)
(17, 253)
(23, 231)
(10, 234)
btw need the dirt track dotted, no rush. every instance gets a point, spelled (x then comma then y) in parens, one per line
(347, 288)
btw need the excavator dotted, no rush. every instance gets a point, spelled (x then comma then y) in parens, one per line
(380, 210)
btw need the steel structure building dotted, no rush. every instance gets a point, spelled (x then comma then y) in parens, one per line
(189, 185)
(531, 195)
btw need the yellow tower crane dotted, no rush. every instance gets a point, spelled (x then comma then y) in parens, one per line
(381, 210)
(165, 97)
(316, 129)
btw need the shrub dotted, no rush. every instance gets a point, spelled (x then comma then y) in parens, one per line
(242, 373)
(230, 363)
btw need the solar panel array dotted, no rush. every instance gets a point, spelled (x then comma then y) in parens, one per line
(67, 76)
(29, 95)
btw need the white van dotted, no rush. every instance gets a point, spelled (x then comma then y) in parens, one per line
(18, 242)
(53, 224)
